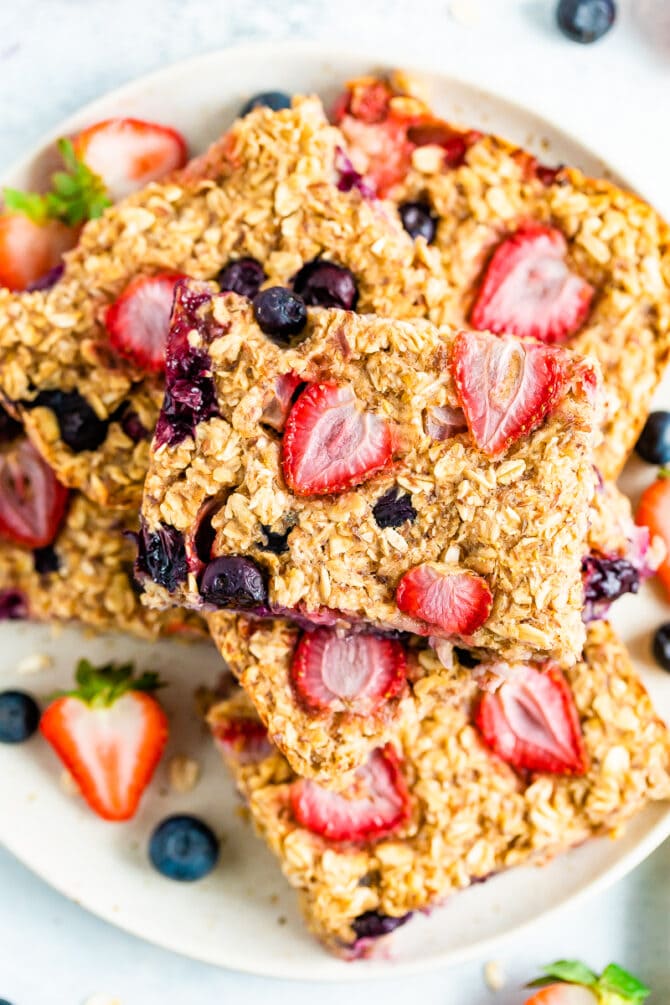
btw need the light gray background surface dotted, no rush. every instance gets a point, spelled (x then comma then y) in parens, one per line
(57, 54)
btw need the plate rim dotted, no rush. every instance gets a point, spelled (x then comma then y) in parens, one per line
(384, 58)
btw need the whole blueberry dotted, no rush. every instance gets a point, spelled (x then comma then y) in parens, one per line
(661, 646)
(374, 924)
(393, 509)
(161, 554)
(183, 847)
(418, 220)
(585, 21)
(234, 581)
(245, 276)
(80, 427)
(324, 284)
(280, 313)
(19, 716)
(45, 560)
(653, 445)
(276, 100)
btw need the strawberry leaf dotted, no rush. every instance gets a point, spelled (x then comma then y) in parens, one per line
(615, 986)
(615, 980)
(569, 971)
(103, 685)
(30, 204)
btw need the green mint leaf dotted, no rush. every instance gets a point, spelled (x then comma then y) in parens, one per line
(569, 971)
(617, 981)
(30, 204)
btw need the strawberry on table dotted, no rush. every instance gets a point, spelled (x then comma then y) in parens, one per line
(32, 500)
(139, 320)
(569, 982)
(453, 600)
(528, 289)
(654, 512)
(129, 153)
(109, 733)
(331, 444)
(531, 722)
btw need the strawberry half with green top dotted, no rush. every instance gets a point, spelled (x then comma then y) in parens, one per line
(376, 804)
(32, 500)
(355, 673)
(528, 289)
(29, 250)
(138, 322)
(654, 512)
(569, 982)
(129, 153)
(505, 387)
(532, 723)
(451, 600)
(110, 733)
(330, 444)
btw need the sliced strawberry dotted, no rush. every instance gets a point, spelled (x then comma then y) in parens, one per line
(357, 673)
(563, 994)
(245, 741)
(138, 322)
(29, 250)
(654, 513)
(129, 153)
(443, 422)
(377, 803)
(279, 404)
(32, 501)
(456, 601)
(330, 444)
(531, 722)
(110, 734)
(528, 289)
(505, 387)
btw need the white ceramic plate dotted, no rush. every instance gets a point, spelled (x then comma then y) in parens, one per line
(244, 916)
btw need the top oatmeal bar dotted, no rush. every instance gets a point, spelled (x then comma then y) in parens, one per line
(371, 471)
(271, 190)
(525, 248)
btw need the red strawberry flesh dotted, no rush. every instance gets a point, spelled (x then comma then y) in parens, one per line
(377, 804)
(531, 722)
(32, 501)
(356, 672)
(506, 387)
(138, 322)
(457, 602)
(528, 289)
(330, 444)
(243, 740)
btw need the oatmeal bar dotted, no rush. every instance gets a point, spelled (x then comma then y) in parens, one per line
(437, 810)
(271, 190)
(338, 479)
(325, 735)
(533, 249)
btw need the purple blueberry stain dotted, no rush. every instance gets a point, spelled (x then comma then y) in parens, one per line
(161, 555)
(393, 509)
(133, 426)
(13, 605)
(234, 581)
(80, 428)
(244, 276)
(349, 178)
(325, 284)
(48, 280)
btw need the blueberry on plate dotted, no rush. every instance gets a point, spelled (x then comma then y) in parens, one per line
(184, 848)
(280, 313)
(325, 284)
(244, 276)
(276, 100)
(418, 220)
(661, 646)
(653, 445)
(585, 21)
(19, 716)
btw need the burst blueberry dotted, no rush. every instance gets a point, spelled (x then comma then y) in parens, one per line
(19, 716)
(585, 21)
(13, 605)
(161, 554)
(184, 848)
(275, 100)
(374, 924)
(275, 542)
(280, 313)
(80, 427)
(653, 445)
(9, 427)
(45, 560)
(393, 509)
(325, 284)
(245, 276)
(418, 220)
(234, 581)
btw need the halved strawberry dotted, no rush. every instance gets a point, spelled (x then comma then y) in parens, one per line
(32, 501)
(138, 322)
(129, 153)
(376, 804)
(357, 673)
(654, 512)
(110, 734)
(531, 722)
(245, 741)
(29, 250)
(330, 444)
(506, 387)
(454, 600)
(528, 289)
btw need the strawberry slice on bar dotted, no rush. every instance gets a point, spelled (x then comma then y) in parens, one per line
(331, 444)
(358, 673)
(528, 289)
(32, 500)
(377, 803)
(455, 600)
(506, 387)
(138, 322)
(531, 722)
